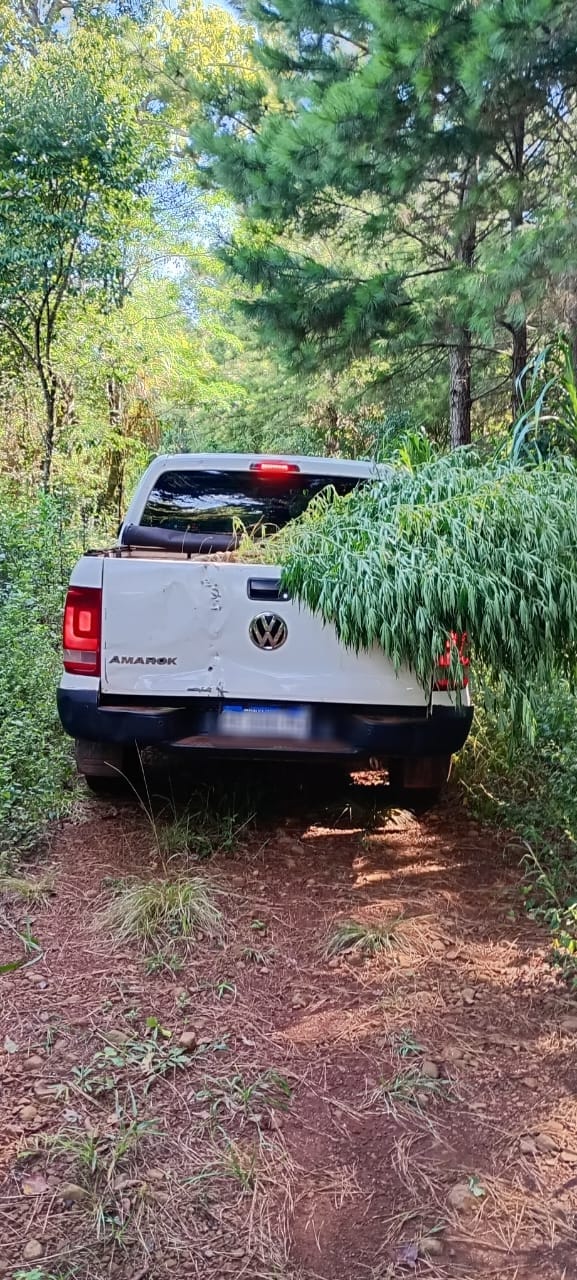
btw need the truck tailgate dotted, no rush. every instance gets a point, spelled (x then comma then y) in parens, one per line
(181, 628)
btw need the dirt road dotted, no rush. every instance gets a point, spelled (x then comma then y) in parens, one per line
(271, 1111)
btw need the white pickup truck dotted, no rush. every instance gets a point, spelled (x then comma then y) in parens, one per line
(169, 643)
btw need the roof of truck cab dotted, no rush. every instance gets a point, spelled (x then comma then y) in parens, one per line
(242, 461)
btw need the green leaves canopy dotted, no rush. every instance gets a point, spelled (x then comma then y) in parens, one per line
(73, 161)
(75, 153)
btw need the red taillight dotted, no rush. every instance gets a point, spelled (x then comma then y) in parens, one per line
(275, 468)
(455, 656)
(82, 631)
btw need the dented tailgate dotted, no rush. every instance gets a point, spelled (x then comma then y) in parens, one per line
(186, 628)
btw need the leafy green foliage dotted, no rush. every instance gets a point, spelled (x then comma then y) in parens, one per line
(39, 541)
(153, 1058)
(405, 1044)
(530, 788)
(456, 545)
(100, 1161)
(162, 962)
(99, 1154)
(74, 158)
(37, 1273)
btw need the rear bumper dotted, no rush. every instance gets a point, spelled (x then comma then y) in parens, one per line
(345, 731)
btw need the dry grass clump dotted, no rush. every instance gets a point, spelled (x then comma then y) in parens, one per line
(34, 890)
(155, 911)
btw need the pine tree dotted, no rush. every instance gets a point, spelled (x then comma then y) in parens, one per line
(391, 159)
(519, 76)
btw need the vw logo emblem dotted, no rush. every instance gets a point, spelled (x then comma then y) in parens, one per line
(268, 631)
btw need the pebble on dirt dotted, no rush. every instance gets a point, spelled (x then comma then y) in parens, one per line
(461, 1198)
(32, 1251)
(430, 1246)
(117, 1037)
(28, 1113)
(188, 1040)
(33, 1063)
(71, 1193)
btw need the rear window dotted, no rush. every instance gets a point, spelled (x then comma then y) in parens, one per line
(217, 501)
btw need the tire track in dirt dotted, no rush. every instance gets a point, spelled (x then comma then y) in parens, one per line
(409, 1113)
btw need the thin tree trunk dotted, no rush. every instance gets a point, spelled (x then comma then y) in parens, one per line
(570, 315)
(461, 350)
(519, 330)
(112, 496)
(332, 429)
(50, 391)
(572, 335)
(112, 500)
(460, 390)
(519, 358)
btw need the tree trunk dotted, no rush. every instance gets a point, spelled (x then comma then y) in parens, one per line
(570, 314)
(518, 364)
(332, 441)
(519, 330)
(460, 390)
(461, 348)
(50, 390)
(112, 497)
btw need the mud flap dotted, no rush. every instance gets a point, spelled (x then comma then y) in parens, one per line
(421, 773)
(101, 759)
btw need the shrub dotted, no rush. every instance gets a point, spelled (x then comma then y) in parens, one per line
(38, 544)
(530, 789)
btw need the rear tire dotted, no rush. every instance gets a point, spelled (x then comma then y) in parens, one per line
(105, 787)
(420, 801)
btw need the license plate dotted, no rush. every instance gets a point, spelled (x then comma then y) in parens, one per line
(265, 722)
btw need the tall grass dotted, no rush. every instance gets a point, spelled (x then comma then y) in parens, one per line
(549, 419)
